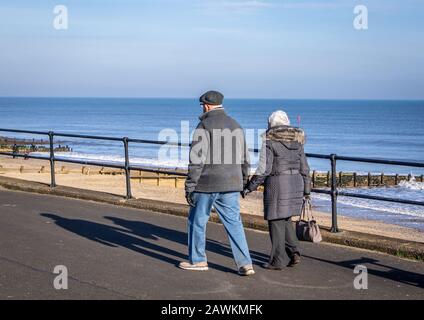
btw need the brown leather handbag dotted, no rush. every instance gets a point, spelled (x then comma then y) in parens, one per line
(307, 228)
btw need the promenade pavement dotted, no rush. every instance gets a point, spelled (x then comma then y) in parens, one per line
(114, 252)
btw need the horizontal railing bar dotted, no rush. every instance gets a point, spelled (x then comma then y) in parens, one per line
(180, 144)
(20, 155)
(24, 131)
(318, 156)
(70, 135)
(382, 161)
(359, 159)
(370, 197)
(93, 163)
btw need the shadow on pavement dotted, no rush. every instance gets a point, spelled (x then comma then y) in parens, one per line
(151, 231)
(391, 273)
(129, 235)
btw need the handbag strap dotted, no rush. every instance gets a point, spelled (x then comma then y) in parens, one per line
(307, 214)
(311, 212)
(303, 213)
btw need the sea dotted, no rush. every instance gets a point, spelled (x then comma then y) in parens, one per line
(380, 129)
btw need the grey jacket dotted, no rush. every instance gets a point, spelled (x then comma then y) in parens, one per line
(284, 171)
(219, 159)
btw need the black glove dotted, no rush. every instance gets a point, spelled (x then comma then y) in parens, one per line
(189, 198)
(244, 193)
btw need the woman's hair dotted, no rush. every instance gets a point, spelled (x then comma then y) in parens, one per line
(278, 118)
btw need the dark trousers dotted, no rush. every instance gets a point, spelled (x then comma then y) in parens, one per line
(284, 242)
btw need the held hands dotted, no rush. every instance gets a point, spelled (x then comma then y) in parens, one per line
(244, 193)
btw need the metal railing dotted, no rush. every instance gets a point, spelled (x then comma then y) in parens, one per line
(127, 167)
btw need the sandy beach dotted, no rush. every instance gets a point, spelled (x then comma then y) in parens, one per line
(72, 176)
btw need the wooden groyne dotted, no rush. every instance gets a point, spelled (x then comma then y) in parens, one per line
(319, 179)
(8, 141)
(24, 146)
(28, 149)
(354, 180)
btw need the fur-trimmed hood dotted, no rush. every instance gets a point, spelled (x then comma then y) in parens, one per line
(285, 134)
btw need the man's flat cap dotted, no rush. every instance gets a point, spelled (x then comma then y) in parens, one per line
(213, 98)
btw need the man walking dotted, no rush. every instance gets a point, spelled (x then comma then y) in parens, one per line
(218, 170)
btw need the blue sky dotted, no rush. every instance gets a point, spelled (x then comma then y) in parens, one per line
(180, 48)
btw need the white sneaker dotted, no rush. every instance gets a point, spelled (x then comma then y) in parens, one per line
(200, 266)
(246, 271)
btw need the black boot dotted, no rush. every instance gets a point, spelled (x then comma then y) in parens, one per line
(295, 260)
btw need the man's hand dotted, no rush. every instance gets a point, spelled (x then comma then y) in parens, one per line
(244, 193)
(189, 198)
(307, 197)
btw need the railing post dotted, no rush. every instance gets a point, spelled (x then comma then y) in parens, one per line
(127, 169)
(52, 164)
(334, 227)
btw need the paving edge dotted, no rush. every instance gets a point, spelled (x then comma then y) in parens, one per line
(397, 247)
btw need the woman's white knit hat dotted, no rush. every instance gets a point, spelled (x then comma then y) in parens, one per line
(278, 118)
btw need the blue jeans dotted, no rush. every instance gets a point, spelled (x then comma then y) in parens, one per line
(227, 206)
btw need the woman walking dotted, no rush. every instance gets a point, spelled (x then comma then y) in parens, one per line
(284, 171)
